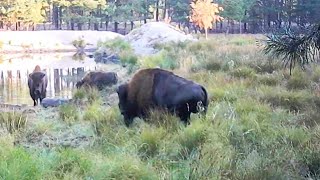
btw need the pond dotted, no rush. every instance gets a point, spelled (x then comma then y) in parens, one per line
(63, 71)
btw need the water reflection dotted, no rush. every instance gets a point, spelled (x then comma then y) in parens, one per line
(63, 71)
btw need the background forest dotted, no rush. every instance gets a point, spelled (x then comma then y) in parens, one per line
(249, 16)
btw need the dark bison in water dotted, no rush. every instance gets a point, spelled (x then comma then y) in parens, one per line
(157, 88)
(37, 82)
(98, 79)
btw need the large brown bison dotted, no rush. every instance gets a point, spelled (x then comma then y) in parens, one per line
(158, 88)
(98, 79)
(37, 83)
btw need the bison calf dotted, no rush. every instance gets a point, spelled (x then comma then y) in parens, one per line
(37, 83)
(98, 79)
(157, 88)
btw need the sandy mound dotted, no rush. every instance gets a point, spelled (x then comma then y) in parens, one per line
(145, 37)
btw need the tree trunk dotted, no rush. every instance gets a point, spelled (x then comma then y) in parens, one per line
(107, 24)
(245, 24)
(56, 16)
(72, 24)
(60, 18)
(206, 31)
(116, 27)
(157, 10)
(96, 26)
(131, 24)
(240, 27)
(79, 25)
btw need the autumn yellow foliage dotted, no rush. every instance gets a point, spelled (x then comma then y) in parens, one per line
(204, 14)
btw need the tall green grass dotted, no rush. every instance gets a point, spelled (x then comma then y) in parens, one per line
(261, 124)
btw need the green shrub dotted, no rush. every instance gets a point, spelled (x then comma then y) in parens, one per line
(68, 113)
(161, 59)
(79, 43)
(73, 162)
(18, 164)
(116, 45)
(316, 74)
(125, 167)
(312, 160)
(94, 113)
(297, 136)
(164, 119)
(298, 80)
(128, 58)
(192, 137)
(150, 140)
(294, 101)
(241, 41)
(13, 121)
(269, 79)
(243, 72)
(79, 94)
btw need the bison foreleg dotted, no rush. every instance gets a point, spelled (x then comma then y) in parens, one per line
(34, 102)
(184, 114)
(127, 120)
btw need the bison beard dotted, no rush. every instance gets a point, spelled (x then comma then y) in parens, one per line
(37, 83)
(157, 88)
(98, 79)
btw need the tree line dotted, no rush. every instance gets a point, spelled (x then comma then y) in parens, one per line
(244, 16)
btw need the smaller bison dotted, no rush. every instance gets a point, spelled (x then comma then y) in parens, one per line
(98, 79)
(37, 83)
(158, 88)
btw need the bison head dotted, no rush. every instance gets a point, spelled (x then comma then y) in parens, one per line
(122, 92)
(79, 84)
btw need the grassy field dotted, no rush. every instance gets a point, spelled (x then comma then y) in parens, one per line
(261, 124)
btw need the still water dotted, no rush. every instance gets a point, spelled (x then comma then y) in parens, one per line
(63, 71)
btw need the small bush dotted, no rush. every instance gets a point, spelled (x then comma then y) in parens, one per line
(150, 140)
(164, 120)
(294, 101)
(244, 72)
(297, 136)
(18, 164)
(68, 113)
(71, 162)
(162, 60)
(298, 80)
(86, 93)
(93, 95)
(79, 43)
(93, 113)
(192, 137)
(269, 79)
(126, 167)
(241, 41)
(13, 121)
(316, 74)
(312, 160)
(128, 58)
(79, 94)
(116, 45)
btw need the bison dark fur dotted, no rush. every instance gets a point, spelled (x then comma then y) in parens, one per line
(37, 83)
(98, 79)
(157, 88)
